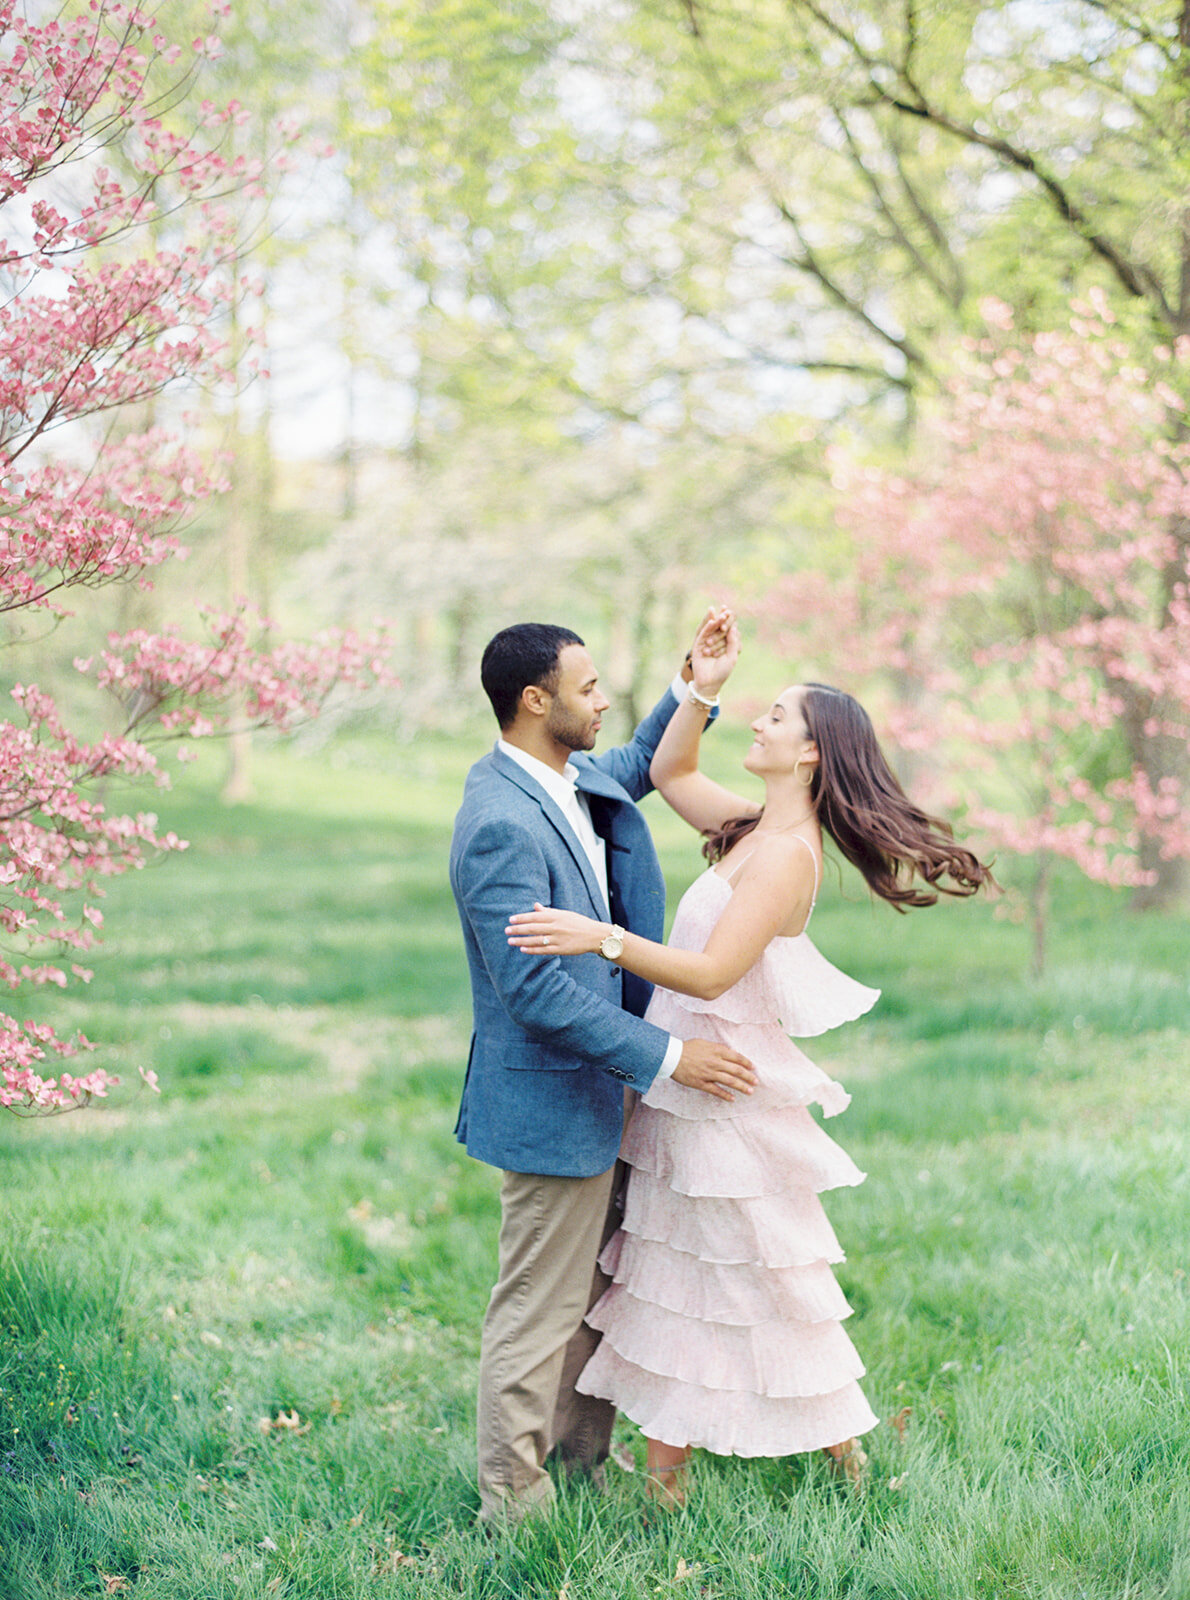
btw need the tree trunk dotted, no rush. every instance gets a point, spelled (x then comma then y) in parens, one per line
(629, 630)
(643, 627)
(237, 783)
(620, 671)
(463, 616)
(1039, 906)
(1159, 757)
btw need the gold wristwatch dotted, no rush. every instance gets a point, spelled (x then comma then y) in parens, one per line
(611, 947)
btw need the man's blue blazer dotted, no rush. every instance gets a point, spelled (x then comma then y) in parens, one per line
(556, 1038)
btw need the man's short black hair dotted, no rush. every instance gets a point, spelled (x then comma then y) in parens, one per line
(518, 656)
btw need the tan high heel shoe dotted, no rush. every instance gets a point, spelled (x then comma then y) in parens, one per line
(847, 1462)
(665, 1474)
(667, 1488)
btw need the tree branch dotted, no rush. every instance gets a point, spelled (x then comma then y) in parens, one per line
(951, 292)
(807, 260)
(910, 101)
(1138, 279)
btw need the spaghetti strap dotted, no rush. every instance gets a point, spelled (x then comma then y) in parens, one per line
(814, 864)
(728, 876)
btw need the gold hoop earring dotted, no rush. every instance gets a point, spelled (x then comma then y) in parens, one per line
(806, 783)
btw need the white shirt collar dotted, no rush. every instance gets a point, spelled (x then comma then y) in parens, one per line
(560, 786)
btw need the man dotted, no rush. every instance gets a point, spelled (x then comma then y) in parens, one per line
(557, 1042)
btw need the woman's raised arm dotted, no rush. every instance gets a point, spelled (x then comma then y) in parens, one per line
(674, 773)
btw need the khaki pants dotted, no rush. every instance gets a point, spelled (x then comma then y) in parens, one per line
(535, 1342)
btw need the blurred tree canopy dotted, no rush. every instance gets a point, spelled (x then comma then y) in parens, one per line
(563, 306)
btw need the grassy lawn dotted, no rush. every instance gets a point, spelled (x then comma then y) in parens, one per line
(239, 1323)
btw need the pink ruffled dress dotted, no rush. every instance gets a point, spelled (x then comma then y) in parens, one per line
(722, 1327)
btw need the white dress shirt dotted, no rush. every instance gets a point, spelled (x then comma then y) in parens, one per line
(562, 790)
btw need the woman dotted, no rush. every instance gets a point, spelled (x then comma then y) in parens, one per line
(722, 1326)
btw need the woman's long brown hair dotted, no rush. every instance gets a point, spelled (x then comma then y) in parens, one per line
(866, 812)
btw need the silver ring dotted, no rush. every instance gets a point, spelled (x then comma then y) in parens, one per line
(545, 938)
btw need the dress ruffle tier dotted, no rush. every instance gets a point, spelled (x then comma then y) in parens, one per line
(722, 1327)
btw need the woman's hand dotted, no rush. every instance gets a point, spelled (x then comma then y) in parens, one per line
(546, 932)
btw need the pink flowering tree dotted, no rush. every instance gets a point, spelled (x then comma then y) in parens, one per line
(1021, 591)
(115, 291)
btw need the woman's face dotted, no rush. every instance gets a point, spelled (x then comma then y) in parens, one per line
(781, 736)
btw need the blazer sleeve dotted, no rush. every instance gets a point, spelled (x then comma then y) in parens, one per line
(628, 764)
(503, 870)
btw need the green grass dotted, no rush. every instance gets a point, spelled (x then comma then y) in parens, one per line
(239, 1323)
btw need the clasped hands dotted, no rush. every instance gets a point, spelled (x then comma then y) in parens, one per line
(715, 650)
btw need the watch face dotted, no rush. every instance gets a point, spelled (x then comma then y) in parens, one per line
(612, 946)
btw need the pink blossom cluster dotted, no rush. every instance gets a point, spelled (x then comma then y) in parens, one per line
(177, 682)
(85, 325)
(54, 841)
(88, 326)
(1021, 590)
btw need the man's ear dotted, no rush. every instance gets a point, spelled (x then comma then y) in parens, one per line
(535, 699)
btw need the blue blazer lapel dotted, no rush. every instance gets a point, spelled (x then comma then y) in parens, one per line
(556, 817)
(593, 780)
(635, 885)
(605, 802)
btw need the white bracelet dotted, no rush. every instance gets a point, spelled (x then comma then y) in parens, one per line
(697, 699)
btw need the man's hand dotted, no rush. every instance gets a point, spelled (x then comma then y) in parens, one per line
(715, 1069)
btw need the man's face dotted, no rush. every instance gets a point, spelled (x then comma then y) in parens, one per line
(577, 703)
